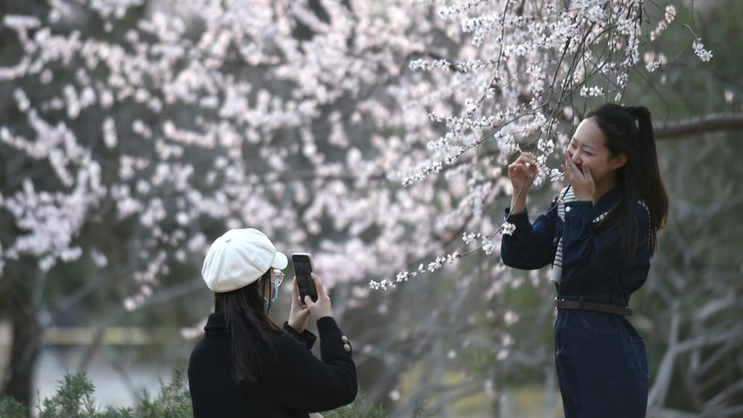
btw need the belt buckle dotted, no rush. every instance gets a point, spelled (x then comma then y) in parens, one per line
(556, 302)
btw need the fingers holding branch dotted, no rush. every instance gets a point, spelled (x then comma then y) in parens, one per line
(523, 171)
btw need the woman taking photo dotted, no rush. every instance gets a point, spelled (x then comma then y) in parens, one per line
(248, 366)
(599, 235)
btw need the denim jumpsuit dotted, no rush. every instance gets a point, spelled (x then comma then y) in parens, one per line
(600, 358)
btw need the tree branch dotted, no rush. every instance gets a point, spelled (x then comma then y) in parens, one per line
(699, 125)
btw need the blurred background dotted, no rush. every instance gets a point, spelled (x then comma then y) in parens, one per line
(133, 133)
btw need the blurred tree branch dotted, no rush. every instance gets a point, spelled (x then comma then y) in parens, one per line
(690, 127)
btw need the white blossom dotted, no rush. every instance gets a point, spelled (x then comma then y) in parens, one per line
(331, 124)
(703, 54)
(508, 228)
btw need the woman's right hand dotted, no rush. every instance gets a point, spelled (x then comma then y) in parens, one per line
(522, 172)
(321, 308)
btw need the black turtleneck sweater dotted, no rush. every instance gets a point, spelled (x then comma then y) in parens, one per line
(292, 381)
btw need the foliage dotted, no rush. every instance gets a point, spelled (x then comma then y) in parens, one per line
(10, 408)
(174, 400)
(358, 409)
(75, 399)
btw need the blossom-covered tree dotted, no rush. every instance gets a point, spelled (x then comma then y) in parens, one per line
(373, 134)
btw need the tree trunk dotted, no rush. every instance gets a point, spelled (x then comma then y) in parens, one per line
(19, 308)
(24, 353)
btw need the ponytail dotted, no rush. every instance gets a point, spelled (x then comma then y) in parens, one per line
(629, 131)
(651, 188)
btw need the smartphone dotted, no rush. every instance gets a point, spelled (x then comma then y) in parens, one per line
(302, 269)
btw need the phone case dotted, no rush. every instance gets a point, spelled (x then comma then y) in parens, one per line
(302, 268)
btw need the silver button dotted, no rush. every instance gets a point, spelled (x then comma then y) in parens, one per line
(344, 339)
(347, 347)
(567, 209)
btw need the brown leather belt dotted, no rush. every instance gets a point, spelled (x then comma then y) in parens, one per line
(576, 305)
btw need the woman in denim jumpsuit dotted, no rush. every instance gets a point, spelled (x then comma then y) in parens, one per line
(599, 235)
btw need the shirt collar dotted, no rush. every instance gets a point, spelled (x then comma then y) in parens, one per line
(607, 201)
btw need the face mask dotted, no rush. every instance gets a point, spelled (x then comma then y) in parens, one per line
(269, 303)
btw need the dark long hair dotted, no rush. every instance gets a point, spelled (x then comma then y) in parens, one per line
(639, 177)
(244, 312)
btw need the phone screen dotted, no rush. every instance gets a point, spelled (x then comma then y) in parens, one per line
(302, 269)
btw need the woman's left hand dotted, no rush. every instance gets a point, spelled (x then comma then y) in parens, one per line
(579, 178)
(299, 315)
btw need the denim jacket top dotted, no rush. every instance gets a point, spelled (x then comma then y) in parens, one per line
(593, 266)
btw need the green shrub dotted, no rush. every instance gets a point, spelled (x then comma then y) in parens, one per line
(361, 409)
(357, 409)
(75, 399)
(174, 400)
(10, 408)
